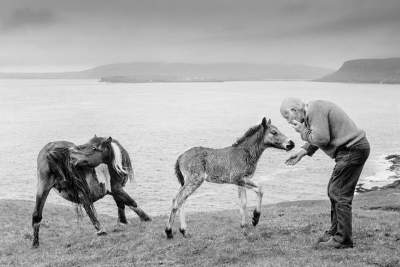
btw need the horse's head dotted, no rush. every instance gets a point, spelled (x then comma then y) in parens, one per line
(96, 151)
(274, 138)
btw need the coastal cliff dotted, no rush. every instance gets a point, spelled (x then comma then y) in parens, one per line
(366, 71)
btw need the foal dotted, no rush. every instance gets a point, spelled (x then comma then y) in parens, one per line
(231, 165)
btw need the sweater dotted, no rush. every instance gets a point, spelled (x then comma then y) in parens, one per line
(328, 127)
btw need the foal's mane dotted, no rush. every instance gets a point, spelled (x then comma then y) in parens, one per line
(249, 133)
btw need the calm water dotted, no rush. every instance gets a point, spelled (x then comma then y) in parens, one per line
(156, 122)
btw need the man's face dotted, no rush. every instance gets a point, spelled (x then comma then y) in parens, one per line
(293, 114)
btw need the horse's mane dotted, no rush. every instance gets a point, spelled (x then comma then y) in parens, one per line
(249, 133)
(60, 164)
(121, 163)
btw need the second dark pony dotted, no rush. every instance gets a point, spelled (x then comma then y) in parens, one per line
(83, 180)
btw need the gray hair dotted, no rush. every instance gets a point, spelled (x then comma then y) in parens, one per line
(291, 102)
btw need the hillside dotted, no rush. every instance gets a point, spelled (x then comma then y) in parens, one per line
(284, 237)
(367, 71)
(149, 72)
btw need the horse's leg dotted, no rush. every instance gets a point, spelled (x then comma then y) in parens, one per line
(45, 183)
(258, 190)
(243, 203)
(121, 210)
(119, 193)
(93, 218)
(184, 192)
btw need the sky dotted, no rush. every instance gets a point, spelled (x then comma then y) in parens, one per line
(55, 35)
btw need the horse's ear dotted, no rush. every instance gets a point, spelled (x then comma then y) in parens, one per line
(264, 122)
(109, 140)
(95, 136)
(269, 122)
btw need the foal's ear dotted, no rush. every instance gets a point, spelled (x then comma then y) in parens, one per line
(109, 140)
(95, 136)
(269, 122)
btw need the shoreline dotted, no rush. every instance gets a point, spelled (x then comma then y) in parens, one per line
(393, 181)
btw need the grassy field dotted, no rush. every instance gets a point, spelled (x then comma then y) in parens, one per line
(284, 237)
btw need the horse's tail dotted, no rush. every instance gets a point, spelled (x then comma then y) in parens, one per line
(178, 173)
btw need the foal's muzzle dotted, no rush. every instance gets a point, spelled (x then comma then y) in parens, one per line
(289, 146)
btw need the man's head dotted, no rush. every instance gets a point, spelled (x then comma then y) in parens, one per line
(293, 109)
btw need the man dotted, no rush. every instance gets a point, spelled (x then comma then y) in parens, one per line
(323, 125)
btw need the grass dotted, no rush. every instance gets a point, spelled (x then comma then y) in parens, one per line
(284, 237)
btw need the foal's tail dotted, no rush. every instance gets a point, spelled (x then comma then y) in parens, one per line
(178, 173)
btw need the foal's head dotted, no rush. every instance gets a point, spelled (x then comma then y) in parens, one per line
(274, 138)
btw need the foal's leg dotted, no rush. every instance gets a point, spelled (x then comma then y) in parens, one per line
(184, 192)
(258, 190)
(182, 219)
(119, 194)
(243, 203)
(43, 188)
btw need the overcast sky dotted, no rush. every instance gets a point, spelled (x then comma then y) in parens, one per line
(75, 34)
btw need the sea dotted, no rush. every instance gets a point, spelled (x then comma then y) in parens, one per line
(156, 122)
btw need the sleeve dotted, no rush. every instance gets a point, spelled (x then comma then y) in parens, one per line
(310, 149)
(317, 134)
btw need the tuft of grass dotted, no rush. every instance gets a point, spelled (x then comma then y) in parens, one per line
(284, 237)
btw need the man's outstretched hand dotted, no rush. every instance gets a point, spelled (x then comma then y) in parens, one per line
(293, 159)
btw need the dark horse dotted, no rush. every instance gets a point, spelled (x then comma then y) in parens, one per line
(235, 164)
(84, 174)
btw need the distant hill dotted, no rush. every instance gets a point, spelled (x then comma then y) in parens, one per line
(184, 72)
(367, 71)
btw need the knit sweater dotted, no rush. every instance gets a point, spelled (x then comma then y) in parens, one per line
(328, 127)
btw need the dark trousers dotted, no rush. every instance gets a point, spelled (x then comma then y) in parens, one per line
(349, 164)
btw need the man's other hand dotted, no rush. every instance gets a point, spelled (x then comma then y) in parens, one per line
(293, 159)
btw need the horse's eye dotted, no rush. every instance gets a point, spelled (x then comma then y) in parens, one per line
(274, 133)
(94, 148)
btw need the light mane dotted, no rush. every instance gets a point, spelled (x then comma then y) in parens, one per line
(117, 161)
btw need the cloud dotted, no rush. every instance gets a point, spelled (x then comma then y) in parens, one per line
(90, 32)
(27, 17)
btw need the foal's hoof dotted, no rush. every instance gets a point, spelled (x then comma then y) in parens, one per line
(183, 231)
(35, 245)
(256, 217)
(169, 233)
(101, 232)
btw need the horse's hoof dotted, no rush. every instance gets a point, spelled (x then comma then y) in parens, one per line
(243, 226)
(256, 217)
(101, 232)
(35, 245)
(169, 233)
(183, 232)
